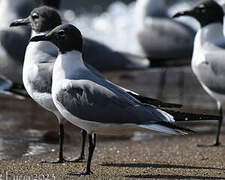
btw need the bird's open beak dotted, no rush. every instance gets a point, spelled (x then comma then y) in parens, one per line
(20, 22)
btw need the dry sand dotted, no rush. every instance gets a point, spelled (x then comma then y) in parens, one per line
(159, 158)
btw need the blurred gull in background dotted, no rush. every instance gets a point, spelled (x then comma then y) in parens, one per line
(119, 22)
(209, 51)
(13, 41)
(161, 37)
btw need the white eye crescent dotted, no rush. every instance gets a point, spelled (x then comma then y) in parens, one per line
(61, 32)
(35, 15)
(202, 6)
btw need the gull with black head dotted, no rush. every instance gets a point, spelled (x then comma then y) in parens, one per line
(208, 62)
(93, 103)
(11, 52)
(38, 65)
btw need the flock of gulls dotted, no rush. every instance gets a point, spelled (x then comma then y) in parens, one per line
(60, 69)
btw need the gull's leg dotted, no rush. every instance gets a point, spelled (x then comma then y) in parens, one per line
(92, 143)
(61, 142)
(217, 143)
(82, 156)
(219, 125)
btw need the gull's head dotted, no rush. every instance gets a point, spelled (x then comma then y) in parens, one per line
(206, 12)
(66, 37)
(41, 19)
(51, 3)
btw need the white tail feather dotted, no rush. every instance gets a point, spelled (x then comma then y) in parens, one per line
(163, 129)
(168, 117)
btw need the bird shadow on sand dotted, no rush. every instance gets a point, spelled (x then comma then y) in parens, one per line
(172, 177)
(168, 166)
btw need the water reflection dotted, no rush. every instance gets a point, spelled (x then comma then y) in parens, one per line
(35, 149)
(22, 124)
(9, 149)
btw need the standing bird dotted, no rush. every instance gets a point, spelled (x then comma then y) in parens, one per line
(208, 62)
(93, 103)
(161, 37)
(38, 66)
(13, 42)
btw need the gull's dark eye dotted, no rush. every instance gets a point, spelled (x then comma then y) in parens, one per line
(35, 16)
(61, 33)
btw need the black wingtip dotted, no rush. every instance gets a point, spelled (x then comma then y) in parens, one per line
(169, 105)
(154, 102)
(184, 116)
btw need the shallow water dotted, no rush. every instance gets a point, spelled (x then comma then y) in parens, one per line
(26, 129)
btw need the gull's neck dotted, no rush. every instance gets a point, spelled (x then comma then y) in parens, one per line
(34, 33)
(39, 52)
(69, 64)
(209, 34)
(43, 46)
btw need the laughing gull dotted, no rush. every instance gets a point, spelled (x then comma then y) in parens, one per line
(13, 42)
(38, 65)
(209, 51)
(93, 103)
(160, 37)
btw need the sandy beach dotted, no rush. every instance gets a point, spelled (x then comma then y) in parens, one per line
(28, 134)
(159, 158)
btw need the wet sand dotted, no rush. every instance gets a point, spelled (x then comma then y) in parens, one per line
(175, 157)
(26, 137)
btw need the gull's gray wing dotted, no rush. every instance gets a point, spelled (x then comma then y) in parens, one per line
(15, 42)
(103, 102)
(211, 72)
(105, 59)
(142, 99)
(166, 39)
